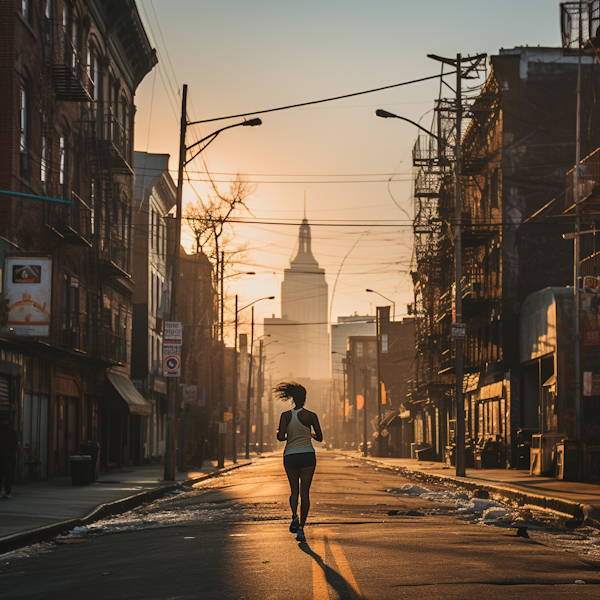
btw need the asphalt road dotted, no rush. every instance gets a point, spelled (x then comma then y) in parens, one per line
(229, 539)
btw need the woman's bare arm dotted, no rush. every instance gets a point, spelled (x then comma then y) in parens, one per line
(318, 434)
(281, 432)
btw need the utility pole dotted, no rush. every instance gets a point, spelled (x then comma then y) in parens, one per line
(235, 386)
(248, 397)
(379, 394)
(173, 382)
(577, 257)
(365, 390)
(460, 332)
(458, 360)
(221, 448)
(260, 383)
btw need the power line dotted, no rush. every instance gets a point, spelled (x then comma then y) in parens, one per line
(270, 110)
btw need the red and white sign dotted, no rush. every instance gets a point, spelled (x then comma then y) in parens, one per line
(172, 360)
(28, 290)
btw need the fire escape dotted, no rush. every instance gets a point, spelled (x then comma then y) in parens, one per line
(108, 150)
(431, 266)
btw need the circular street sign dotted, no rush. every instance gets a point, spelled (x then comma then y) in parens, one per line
(172, 363)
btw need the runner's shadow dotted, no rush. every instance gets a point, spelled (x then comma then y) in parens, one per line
(333, 578)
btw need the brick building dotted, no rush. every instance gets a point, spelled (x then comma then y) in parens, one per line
(68, 75)
(518, 144)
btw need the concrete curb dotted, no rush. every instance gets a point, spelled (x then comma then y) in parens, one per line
(588, 514)
(43, 534)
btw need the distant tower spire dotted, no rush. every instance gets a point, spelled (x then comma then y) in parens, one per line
(305, 205)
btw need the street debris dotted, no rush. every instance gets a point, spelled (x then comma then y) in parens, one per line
(542, 526)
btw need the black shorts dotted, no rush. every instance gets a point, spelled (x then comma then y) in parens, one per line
(300, 460)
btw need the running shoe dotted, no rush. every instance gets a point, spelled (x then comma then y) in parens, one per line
(300, 536)
(295, 525)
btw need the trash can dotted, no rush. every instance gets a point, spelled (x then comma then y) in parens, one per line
(567, 460)
(80, 469)
(91, 449)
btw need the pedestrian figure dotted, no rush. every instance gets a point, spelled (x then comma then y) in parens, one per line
(9, 442)
(297, 427)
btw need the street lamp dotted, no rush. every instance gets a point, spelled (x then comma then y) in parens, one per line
(235, 376)
(169, 471)
(390, 301)
(458, 333)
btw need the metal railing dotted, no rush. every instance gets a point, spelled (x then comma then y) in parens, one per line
(74, 221)
(115, 132)
(70, 330)
(114, 347)
(69, 70)
(589, 179)
(115, 251)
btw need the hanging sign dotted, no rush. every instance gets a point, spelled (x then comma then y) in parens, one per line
(28, 291)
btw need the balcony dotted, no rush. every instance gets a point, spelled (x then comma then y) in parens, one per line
(588, 185)
(69, 72)
(70, 331)
(74, 222)
(114, 348)
(115, 257)
(110, 140)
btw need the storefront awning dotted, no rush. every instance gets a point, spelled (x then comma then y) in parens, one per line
(123, 397)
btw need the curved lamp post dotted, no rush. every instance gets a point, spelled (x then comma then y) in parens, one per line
(390, 301)
(169, 471)
(459, 334)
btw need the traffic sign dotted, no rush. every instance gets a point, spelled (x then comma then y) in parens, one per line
(172, 360)
(459, 331)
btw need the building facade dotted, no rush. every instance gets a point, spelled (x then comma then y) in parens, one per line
(155, 195)
(518, 144)
(68, 75)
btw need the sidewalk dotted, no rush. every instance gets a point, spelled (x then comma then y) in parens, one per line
(570, 497)
(37, 508)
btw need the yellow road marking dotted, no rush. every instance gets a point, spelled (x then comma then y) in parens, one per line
(320, 591)
(343, 566)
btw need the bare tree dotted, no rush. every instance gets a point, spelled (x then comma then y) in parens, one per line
(209, 219)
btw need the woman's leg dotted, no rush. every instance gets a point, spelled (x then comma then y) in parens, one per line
(306, 475)
(294, 479)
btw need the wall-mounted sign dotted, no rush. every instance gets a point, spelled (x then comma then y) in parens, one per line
(459, 331)
(190, 394)
(172, 333)
(172, 360)
(28, 290)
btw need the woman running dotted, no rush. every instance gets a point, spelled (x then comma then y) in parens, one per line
(299, 459)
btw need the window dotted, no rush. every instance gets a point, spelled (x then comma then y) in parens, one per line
(25, 9)
(125, 127)
(92, 205)
(93, 71)
(44, 155)
(48, 9)
(24, 135)
(152, 226)
(359, 349)
(63, 173)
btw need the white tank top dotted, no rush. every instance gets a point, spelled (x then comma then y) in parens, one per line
(299, 437)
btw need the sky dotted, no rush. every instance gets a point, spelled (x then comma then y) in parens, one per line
(353, 170)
